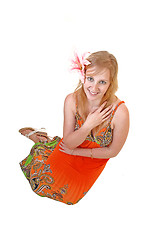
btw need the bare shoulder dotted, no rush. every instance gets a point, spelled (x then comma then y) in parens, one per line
(69, 116)
(70, 101)
(122, 110)
(121, 116)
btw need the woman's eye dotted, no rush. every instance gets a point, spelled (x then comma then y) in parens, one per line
(90, 79)
(103, 82)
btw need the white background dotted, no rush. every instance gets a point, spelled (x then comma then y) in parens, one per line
(36, 43)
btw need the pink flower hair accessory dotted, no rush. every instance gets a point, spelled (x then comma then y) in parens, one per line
(79, 63)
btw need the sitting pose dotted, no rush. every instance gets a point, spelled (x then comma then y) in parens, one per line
(96, 125)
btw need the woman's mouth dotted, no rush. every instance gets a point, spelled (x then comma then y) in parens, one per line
(92, 93)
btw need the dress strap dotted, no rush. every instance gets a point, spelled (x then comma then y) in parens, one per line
(114, 110)
(76, 105)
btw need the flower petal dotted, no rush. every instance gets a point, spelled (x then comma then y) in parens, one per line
(79, 62)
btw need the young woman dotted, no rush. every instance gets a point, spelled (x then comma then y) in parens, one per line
(96, 125)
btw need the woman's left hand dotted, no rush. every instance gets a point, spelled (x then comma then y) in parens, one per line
(63, 148)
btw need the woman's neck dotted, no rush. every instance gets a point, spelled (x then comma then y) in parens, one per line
(92, 105)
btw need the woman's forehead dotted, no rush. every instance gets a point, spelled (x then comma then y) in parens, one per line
(97, 71)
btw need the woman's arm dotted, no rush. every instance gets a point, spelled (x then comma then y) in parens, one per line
(71, 138)
(121, 127)
(120, 133)
(103, 152)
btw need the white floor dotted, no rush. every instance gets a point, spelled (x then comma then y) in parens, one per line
(37, 41)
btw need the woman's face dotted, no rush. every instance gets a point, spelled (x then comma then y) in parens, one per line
(96, 85)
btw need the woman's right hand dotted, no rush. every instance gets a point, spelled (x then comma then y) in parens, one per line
(98, 116)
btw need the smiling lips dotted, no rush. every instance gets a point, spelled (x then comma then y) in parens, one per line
(93, 93)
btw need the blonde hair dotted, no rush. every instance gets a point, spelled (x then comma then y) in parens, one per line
(99, 61)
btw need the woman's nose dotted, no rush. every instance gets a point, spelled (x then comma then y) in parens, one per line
(94, 87)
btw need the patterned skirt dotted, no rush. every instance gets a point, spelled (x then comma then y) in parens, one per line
(59, 176)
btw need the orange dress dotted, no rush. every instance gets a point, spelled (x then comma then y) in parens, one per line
(63, 177)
